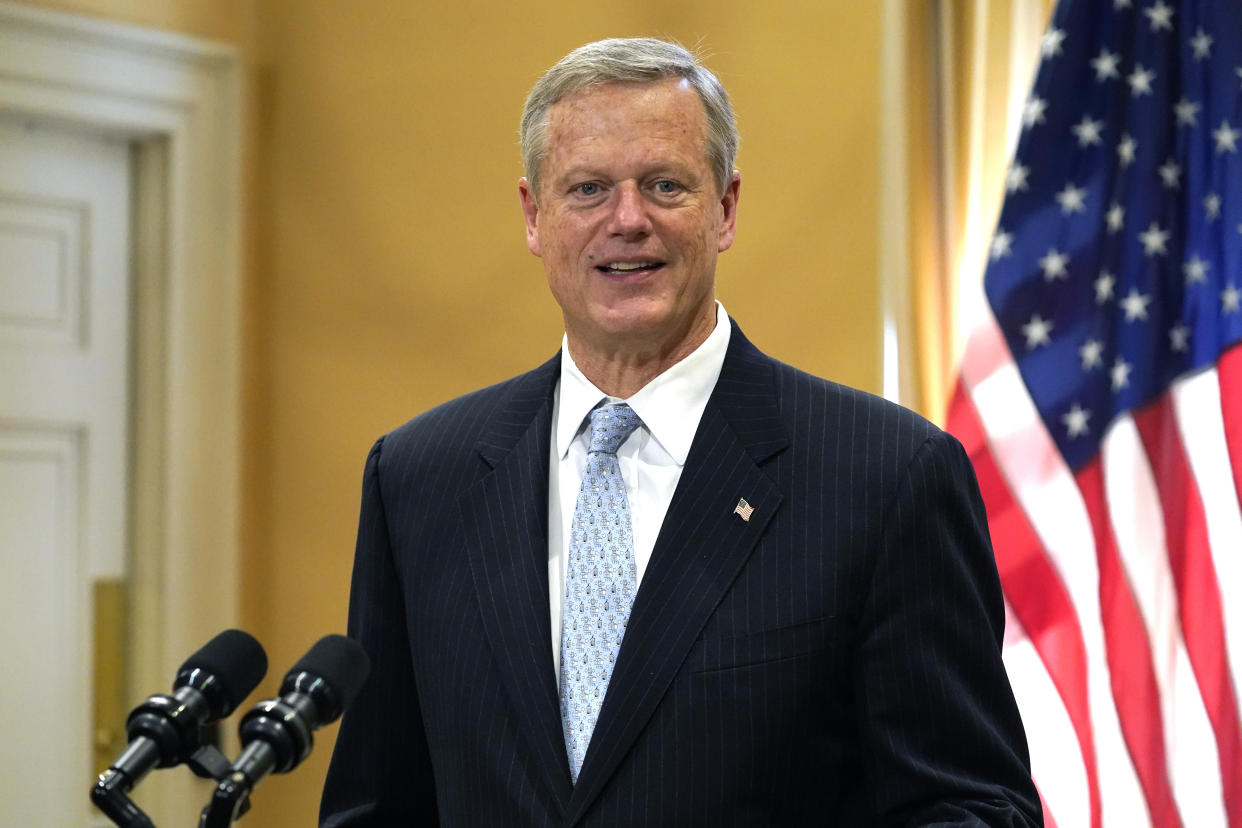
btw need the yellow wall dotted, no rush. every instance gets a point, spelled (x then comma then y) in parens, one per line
(386, 269)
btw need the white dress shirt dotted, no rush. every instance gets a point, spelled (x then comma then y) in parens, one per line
(651, 458)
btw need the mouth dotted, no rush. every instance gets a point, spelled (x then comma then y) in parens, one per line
(624, 268)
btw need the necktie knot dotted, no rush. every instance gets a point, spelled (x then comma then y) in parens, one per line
(610, 425)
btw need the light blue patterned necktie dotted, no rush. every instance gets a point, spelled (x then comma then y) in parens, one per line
(600, 581)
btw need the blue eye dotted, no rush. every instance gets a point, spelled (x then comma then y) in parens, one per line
(590, 188)
(666, 187)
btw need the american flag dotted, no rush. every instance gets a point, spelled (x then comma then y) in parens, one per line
(1100, 397)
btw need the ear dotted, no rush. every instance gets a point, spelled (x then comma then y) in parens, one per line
(530, 211)
(728, 207)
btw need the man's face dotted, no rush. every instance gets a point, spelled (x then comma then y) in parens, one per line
(629, 218)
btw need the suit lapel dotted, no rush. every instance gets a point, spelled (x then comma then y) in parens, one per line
(504, 521)
(702, 546)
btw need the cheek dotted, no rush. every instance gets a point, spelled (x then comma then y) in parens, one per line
(560, 262)
(563, 240)
(702, 242)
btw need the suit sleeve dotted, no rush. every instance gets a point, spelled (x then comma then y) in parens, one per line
(941, 738)
(380, 772)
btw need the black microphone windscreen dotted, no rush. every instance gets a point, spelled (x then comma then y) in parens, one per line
(236, 661)
(340, 662)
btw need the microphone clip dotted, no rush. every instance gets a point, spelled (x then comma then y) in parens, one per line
(110, 793)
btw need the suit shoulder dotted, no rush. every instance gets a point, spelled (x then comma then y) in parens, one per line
(452, 429)
(817, 402)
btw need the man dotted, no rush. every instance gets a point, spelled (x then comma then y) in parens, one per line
(784, 612)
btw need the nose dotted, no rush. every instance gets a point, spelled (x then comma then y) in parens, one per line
(629, 218)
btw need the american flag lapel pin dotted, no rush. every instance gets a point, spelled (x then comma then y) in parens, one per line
(744, 509)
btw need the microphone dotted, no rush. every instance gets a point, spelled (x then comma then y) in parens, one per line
(164, 730)
(276, 733)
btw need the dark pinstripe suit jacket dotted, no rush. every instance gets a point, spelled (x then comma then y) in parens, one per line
(835, 660)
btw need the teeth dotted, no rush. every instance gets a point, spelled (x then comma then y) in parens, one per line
(628, 265)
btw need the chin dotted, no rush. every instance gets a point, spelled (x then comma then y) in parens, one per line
(631, 318)
(656, 330)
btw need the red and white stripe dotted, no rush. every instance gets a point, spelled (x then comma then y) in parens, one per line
(1123, 582)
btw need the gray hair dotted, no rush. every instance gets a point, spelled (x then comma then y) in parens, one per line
(628, 60)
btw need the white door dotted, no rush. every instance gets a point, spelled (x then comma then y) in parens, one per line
(64, 404)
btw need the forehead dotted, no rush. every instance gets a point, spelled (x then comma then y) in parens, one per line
(611, 117)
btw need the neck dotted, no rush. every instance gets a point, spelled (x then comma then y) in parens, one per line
(621, 368)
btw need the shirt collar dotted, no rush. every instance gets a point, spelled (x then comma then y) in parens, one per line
(670, 406)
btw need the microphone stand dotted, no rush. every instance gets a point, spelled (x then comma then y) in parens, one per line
(229, 802)
(288, 722)
(110, 792)
(109, 797)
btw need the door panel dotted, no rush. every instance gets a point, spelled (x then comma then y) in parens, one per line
(64, 414)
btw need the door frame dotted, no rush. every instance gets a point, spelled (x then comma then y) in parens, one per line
(177, 100)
